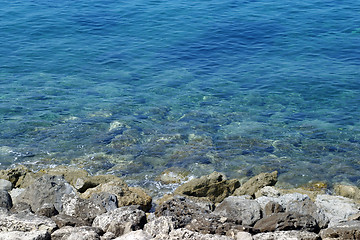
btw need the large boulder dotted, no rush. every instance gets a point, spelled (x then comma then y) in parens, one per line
(126, 196)
(337, 208)
(254, 184)
(214, 187)
(46, 192)
(287, 221)
(346, 230)
(240, 210)
(121, 220)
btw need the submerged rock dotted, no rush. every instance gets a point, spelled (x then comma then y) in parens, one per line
(214, 187)
(173, 175)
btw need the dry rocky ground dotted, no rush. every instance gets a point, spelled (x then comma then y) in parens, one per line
(68, 203)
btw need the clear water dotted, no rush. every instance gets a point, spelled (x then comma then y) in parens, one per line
(135, 87)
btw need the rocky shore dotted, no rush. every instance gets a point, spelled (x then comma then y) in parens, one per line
(68, 203)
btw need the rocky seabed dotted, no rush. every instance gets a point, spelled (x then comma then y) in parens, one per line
(68, 203)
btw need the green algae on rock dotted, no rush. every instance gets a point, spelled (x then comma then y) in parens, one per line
(214, 187)
(256, 183)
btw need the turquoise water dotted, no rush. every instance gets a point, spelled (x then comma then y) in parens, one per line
(133, 88)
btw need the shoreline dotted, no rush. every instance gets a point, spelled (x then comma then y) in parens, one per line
(65, 202)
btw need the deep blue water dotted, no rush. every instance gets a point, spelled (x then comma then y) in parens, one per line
(135, 87)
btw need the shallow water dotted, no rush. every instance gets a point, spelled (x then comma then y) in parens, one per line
(134, 88)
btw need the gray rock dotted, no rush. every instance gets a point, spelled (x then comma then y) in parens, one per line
(46, 190)
(63, 220)
(108, 236)
(287, 221)
(47, 210)
(210, 224)
(287, 235)
(308, 207)
(5, 185)
(160, 225)
(336, 208)
(240, 210)
(283, 200)
(25, 222)
(14, 193)
(185, 234)
(348, 230)
(83, 209)
(243, 236)
(135, 235)
(107, 200)
(5, 200)
(17, 235)
(21, 207)
(121, 220)
(181, 209)
(77, 233)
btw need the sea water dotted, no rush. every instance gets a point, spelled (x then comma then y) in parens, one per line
(133, 88)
